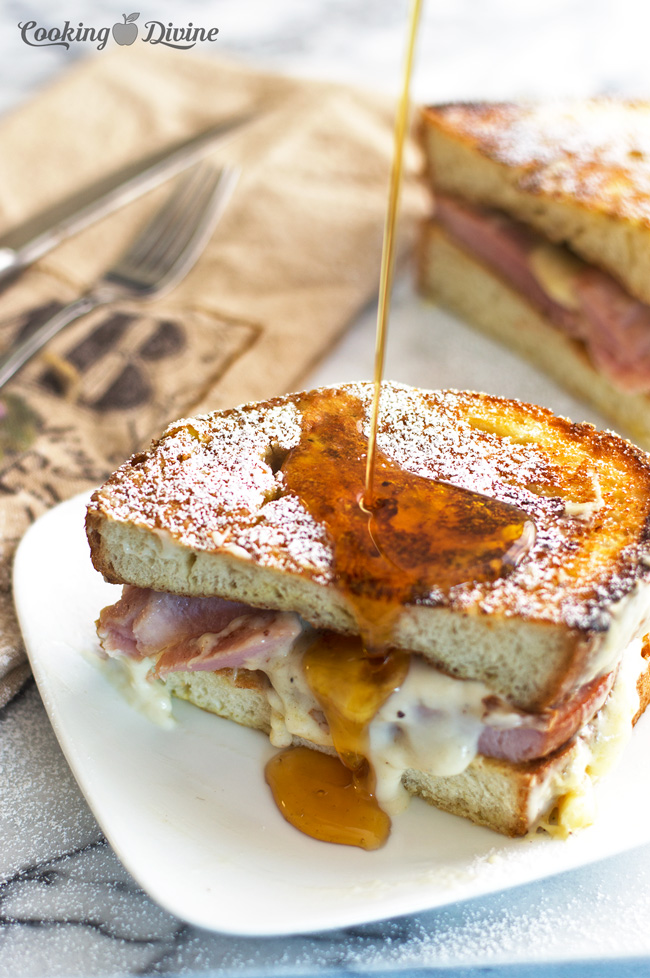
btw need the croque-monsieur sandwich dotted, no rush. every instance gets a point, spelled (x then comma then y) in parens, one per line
(499, 580)
(541, 237)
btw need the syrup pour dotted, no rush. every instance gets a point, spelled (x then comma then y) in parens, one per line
(327, 797)
(388, 247)
(419, 535)
(319, 796)
(351, 686)
(396, 536)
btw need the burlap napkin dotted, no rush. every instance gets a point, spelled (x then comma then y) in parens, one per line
(295, 257)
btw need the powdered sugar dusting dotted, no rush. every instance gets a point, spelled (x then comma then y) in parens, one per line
(596, 151)
(215, 484)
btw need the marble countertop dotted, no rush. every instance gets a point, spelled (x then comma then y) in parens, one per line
(67, 906)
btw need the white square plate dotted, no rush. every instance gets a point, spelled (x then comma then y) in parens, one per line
(190, 816)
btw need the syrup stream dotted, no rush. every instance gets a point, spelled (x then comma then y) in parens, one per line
(391, 545)
(388, 249)
(332, 798)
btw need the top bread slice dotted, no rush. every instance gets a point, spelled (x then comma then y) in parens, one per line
(205, 511)
(577, 171)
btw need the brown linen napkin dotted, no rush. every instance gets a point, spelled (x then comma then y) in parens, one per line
(295, 257)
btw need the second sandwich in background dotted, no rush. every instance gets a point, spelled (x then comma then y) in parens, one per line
(541, 237)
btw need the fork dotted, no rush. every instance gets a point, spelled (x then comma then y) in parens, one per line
(158, 258)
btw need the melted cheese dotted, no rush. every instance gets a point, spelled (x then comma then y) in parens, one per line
(433, 724)
(596, 750)
(294, 710)
(556, 270)
(629, 619)
(148, 695)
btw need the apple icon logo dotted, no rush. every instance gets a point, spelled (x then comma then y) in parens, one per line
(127, 32)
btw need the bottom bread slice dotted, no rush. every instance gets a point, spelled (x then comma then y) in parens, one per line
(450, 276)
(513, 799)
(240, 696)
(554, 793)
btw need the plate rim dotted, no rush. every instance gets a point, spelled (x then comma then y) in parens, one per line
(422, 897)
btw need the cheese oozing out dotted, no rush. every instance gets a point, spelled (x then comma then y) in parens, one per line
(133, 680)
(432, 723)
(596, 749)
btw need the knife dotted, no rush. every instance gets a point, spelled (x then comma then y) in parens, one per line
(23, 245)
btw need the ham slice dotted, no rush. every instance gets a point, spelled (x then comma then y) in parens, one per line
(115, 625)
(184, 633)
(613, 325)
(208, 634)
(620, 330)
(541, 734)
(504, 245)
(249, 642)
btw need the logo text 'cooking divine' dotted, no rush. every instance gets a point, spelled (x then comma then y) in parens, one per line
(126, 33)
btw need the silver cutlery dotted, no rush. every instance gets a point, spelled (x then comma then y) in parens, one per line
(23, 245)
(156, 260)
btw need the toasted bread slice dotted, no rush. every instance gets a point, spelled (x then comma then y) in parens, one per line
(577, 171)
(451, 276)
(205, 511)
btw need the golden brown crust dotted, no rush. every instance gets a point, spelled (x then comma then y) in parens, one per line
(249, 678)
(206, 485)
(594, 152)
